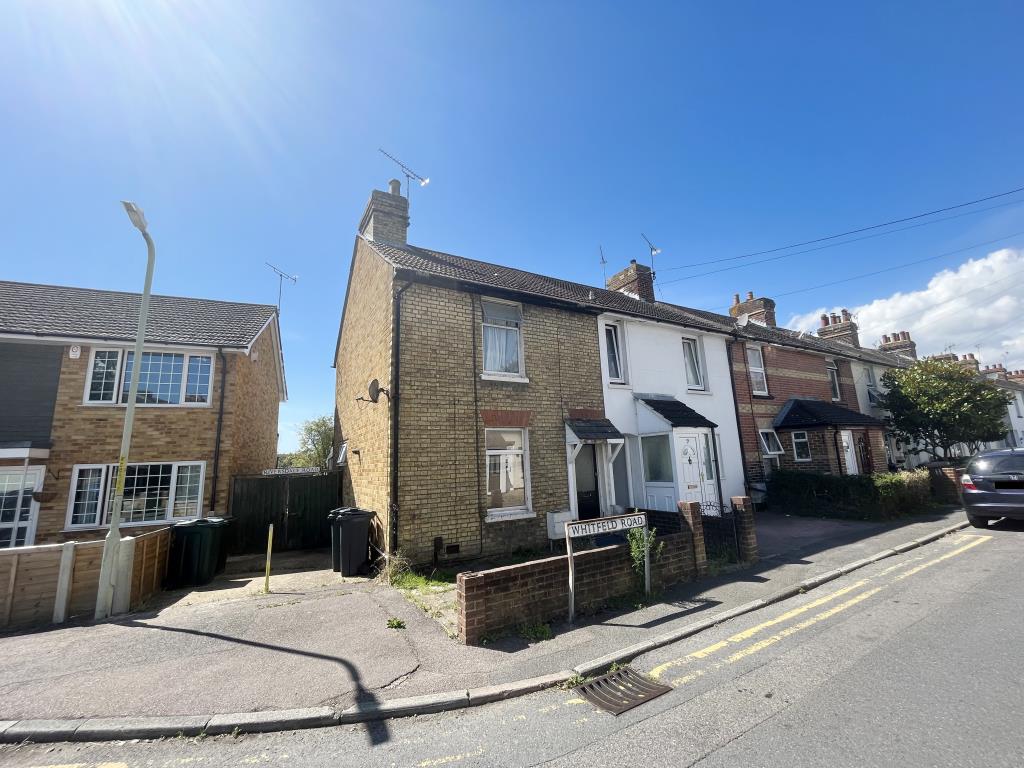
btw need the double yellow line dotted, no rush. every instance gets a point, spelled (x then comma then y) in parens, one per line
(747, 634)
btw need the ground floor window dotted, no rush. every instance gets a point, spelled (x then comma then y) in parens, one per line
(153, 492)
(16, 521)
(801, 447)
(507, 474)
(657, 459)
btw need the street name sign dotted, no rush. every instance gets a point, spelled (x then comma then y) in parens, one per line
(575, 529)
(293, 471)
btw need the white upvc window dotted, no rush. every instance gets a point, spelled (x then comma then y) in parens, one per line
(166, 378)
(1016, 403)
(502, 338)
(833, 378)
(154, 492)
(869, 375)
(755, 364)
(770, 442)
(508, 473)
(693, 364)
(801, 447)
(614, 353)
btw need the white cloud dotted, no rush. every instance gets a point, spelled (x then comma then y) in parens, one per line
(977, 307)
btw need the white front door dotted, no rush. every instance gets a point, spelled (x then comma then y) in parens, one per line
(18, 526)
(849, 452)
(691, 472)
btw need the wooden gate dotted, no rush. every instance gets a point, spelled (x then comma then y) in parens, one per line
(296, 505)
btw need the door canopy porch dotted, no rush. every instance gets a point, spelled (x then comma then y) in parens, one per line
(677, 414)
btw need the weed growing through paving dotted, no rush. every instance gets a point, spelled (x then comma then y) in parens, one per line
(574, 682)
(535, 632)
(395, 623)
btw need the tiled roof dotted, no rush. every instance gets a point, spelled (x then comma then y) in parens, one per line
(27, 309)
(484, 274)
(594, 429)
(676, 413)
(796, 414)
(481, 273)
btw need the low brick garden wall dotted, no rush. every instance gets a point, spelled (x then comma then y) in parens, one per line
(499, 599)
(945, 484)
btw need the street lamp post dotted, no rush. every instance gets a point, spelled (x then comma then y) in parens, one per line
(108, 565)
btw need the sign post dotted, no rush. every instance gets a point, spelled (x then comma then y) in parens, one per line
(575, 529)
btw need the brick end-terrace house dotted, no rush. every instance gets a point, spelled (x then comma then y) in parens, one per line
(493, 412)
(212, 382)
(798, 395)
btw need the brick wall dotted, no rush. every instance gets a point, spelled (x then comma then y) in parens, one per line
(364, 354)
(91, 434)
(794, 373)
(443, 403)
(499, 599)
(251, 410)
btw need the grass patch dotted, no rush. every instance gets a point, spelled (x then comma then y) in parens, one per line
(536, 632)
(395, 623)
(416, 580)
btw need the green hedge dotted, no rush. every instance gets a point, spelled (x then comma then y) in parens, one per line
(882, 496)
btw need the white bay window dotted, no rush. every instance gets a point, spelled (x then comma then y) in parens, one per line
(154, 492)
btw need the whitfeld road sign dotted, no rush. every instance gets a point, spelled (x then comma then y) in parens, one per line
(579, 528)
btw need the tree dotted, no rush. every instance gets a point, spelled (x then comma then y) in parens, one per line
(936, 404)
(315, 441)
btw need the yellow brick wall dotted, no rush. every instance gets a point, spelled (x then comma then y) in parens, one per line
(442, 483)
(364, 354)
(252, 408)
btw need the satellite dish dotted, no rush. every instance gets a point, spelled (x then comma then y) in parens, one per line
(374, 391)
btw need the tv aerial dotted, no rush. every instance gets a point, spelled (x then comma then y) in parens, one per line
(281, 277)
(410, 174)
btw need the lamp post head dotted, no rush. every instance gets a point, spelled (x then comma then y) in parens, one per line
(135, 214)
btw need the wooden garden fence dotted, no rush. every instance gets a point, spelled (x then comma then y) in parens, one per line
(52, 583)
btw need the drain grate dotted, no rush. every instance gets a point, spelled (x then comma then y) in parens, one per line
(621, 690)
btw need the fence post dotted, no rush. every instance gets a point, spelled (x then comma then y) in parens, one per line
(690, 511)
(9, 599)
(744, 507)
(121, 602)
(64, 576)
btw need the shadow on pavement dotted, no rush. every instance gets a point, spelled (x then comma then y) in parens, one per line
(377, 731)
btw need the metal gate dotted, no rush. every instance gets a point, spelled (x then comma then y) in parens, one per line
(721, 536)
(296, 505)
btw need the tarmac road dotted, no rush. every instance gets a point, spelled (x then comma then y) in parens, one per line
(911, 662)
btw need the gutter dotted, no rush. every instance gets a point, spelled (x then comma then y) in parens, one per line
(222, 364)
(396, 359)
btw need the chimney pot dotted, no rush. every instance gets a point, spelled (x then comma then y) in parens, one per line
(846, 315)
(735, 299)
(750, 295)
(885, 339)
(824, 320)
(395, 187)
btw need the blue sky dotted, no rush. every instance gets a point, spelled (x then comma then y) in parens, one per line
(249, 133)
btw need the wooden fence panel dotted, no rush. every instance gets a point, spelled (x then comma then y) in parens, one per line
(296, 505)
(33, 587)
(150, 565)
(85, 579)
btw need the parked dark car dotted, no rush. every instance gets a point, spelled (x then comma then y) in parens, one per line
(993, 486)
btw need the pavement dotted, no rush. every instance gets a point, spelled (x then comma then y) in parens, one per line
(320, 642)
(907, 661)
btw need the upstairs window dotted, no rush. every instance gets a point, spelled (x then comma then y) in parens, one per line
(833, 378)
(869, 376)
(691, 362)
(616, 372)
(502, 324)
(165, 378)
(755, 364)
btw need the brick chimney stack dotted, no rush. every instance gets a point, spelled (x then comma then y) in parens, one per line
(636, 280)
(759, 310)
(997, 371)
(839, 328)
(386, 218)
(970, 361)
(899, 343)
(1016, 376)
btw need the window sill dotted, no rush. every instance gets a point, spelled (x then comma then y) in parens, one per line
(762, 397)
(699, 392)
(178, 406)
(619, 385)
(507, 379)
(146, 524)
(504, 515)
